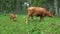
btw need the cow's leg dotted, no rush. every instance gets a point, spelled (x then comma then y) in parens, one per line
(31, 17)
(41, 18)
(27, 17)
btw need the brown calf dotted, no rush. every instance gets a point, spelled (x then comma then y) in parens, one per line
(37, 11)
(12, 16)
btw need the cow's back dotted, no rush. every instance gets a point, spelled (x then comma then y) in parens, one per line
(36, 10)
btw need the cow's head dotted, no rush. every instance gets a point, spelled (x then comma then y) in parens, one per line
(50, 14)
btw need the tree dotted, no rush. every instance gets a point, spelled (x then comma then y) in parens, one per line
(56, 7)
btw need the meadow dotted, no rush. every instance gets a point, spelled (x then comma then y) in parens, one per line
(48, 26)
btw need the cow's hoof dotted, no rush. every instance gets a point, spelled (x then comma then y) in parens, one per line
(26, 22)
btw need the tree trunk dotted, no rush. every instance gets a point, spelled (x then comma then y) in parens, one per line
(59, 7)
(18, 7)
(56, 7)
(59, 11)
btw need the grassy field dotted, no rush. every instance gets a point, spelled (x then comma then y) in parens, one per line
(48, 26)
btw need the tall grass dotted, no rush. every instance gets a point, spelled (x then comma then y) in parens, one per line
(48, 26)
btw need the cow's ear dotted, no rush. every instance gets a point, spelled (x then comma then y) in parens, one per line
(52, 12)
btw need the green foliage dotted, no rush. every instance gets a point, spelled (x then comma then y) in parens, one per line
(16, 5)
(48, 26)
(9, 5)
(38, 2)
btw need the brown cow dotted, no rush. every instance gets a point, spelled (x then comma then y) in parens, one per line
(12, 16)
(37, 11)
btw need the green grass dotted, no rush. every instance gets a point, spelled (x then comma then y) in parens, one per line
(48, 26)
